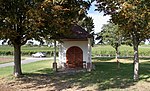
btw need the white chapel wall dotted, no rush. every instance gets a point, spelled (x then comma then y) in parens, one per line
(67, 44)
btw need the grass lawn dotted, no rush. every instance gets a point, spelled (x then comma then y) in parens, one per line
(39, 76)
(27, 68)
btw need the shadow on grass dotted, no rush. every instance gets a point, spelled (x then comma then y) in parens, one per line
(145, 71)
(105, 76)
(103, 58)
(145, 58)
(110, 58)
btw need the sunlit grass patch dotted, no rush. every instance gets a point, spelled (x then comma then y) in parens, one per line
(28, 68)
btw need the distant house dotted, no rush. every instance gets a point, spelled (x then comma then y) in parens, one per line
(75, 50)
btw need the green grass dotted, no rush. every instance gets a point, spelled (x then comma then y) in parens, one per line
(6, 71)
(28, 68)
(105, 50)
(42, 48)
(33, 67)
(105, 76)
(26, 48)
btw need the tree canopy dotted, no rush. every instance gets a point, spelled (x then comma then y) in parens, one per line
(21, 20)
(88, 24)
(133, 17)
(111, 35)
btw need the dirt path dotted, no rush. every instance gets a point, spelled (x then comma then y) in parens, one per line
(41, 82)
(47, 83)
(5, 59)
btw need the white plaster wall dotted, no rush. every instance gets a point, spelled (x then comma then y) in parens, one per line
(67, 44)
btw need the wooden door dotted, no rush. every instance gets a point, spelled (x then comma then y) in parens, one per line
(74, 57)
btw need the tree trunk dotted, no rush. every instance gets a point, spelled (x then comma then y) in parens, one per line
(17, 60)
(136, 61)
(55, 63)
(117, 53)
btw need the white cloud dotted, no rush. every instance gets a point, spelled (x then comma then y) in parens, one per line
(99, 20)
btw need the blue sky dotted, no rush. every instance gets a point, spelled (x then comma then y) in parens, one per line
(98, 18)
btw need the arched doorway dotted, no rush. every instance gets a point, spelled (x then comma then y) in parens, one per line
(74, 57)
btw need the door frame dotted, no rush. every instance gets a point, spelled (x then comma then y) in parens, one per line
(75, 65)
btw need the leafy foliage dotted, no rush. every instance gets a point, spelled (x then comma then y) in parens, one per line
(24, 20)
(21, 20)
(133, 18)
(88, 25)
(110, 35)
(62, 15)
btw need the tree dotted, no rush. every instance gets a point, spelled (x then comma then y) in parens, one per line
(110, 35)
(133, 18)
(22, 20)
(88, 25)
(19, 21)
(65, 14)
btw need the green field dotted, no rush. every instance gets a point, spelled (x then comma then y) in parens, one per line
(26, 50)
(127, 51)
(97, 50)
